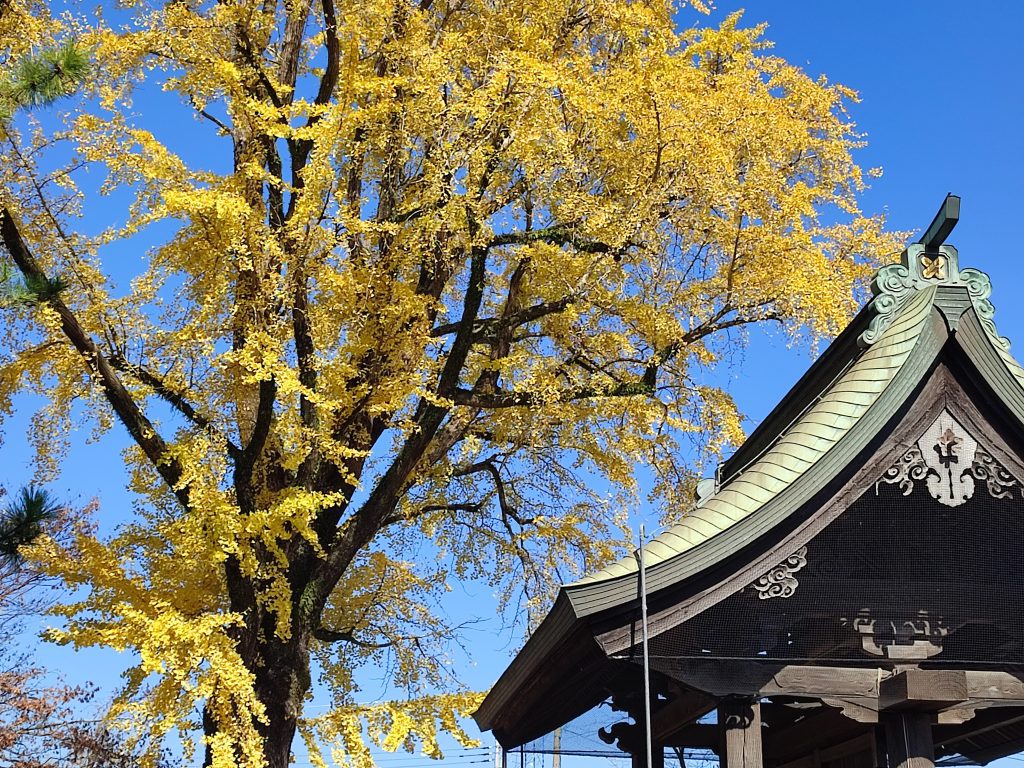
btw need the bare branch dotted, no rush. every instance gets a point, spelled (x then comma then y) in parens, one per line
(508, 512)
(213, 119)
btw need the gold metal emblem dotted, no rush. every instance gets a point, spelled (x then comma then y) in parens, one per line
(933, 268)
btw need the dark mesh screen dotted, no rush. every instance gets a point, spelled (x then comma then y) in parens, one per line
(894, 577)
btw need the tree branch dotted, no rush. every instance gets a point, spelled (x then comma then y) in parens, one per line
(212, 118)
(291, 45)
(245, 47)
(143, 431)
(504, 399)
(348, 636)
(646, 384)
(560, 234)
(490, 325)
(330, 77)
(175, 399)
(260, 430)
(508, 512)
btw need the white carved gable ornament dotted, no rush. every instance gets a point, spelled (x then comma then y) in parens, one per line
(952, 463)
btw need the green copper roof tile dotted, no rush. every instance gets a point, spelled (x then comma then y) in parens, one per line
(796, 450)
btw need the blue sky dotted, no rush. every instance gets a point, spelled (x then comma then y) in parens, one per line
(942, 106)
(942, 109)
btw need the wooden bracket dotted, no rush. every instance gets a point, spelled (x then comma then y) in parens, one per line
(923, 690)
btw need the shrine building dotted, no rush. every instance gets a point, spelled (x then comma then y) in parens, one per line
(848, 591)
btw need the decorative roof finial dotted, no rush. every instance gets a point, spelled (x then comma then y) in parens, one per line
(943, 223)
(931, 263)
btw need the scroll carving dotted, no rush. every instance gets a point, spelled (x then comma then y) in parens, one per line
(951, 463)
(893, 285)
(780, 581)
(919, 637)
(979, 286)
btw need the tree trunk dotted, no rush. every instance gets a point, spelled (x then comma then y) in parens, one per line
(282, 682)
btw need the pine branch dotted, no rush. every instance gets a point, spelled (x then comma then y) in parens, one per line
(46, 76)
(23, 520)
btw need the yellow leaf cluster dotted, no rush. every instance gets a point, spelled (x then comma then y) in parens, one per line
(441, 277)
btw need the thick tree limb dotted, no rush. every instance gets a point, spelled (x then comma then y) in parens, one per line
(556, 235)
(245, 48)
(504, 399)
(291, 45)
(175, 399)
(347, 636)
(330, 77)
(305, 351)
(260, 431)
(143, 431)
(490, 325)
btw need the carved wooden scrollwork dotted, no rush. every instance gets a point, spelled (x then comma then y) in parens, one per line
(780, 581)
(952, 463)
(916, 637)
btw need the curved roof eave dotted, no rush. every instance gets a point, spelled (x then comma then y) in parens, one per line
(834, 429)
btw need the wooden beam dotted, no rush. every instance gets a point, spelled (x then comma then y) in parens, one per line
(739, 721)
(678, 714)
(752, 678)
(994, 686)
(861, 709)
(949, 737)
(989, 754)
(943, 223)
(721, 678)
(923, 690)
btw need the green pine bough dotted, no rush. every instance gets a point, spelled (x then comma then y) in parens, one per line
(43, 77)
(23, 520)
(37, 80)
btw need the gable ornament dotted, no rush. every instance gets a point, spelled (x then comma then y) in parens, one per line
(952, 463)
(780, 581)
(920, 268)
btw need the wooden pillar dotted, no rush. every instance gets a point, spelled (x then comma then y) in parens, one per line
(908, 739)
(740, 723)
(639, 756)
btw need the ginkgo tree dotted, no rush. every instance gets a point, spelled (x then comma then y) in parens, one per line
(464, 262)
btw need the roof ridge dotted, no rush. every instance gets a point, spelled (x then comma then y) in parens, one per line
(922, 267)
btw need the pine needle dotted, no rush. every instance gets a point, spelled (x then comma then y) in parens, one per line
(46, 76)
(23, 519)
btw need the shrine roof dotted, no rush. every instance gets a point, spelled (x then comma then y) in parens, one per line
(795, 451)
(860, 380)
(923, 308)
